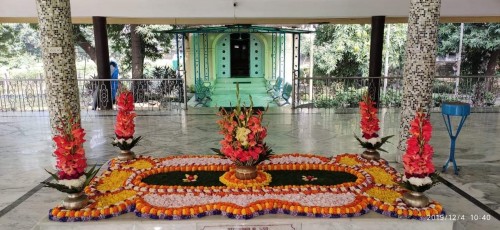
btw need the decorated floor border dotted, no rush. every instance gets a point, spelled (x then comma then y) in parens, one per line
(120, 190)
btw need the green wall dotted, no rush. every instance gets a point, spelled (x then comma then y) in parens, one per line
(219, 57)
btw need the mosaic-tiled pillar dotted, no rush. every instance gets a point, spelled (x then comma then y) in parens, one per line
(419, 70)
(58, 53)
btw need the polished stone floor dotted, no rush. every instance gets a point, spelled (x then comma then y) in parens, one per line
(26, 150)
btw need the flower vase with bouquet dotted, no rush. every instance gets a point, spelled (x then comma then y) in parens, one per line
(243, 141)
(71, 177)
(419, 174)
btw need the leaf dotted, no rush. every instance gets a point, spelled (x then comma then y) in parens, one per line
(125, 145)
(265, 156)
(91, 174)
(359, 140)
(135, 141)
(386, 138)
(53, 175)
(218, 152)
(61, 188)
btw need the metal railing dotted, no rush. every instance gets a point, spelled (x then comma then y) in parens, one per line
(346, 92)
(149, 94)
(327, 92)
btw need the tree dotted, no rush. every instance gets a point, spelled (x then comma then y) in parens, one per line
(8, 36)
(19, 48)
(341, 45)
(396, 48)
(138, 42)
(133, 42)
(480, 55)
(344, 50)
(481, 46)
(84, 38)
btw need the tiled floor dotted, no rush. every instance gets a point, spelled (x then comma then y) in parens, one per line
(26, 150)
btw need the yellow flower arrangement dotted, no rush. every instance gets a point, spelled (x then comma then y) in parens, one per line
(349, 161)
(113, 181)
(386, 195)
(139, 164)
(380, 176)
(107, 200)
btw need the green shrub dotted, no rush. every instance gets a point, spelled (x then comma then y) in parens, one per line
(325, 102)
(349, 98)
(489, 98)
(443, 87)
(342, 99)
(392, 98)
(438, 99)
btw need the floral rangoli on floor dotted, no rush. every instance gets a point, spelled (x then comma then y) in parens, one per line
(185, 187)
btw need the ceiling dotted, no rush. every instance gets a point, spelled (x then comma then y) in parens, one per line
(251, 11)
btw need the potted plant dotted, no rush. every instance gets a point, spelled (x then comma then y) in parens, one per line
(419, 171)
(71, 177)
(370, 139)
(125, 127)
(243, 141)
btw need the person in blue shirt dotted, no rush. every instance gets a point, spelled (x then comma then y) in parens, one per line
(114, 79)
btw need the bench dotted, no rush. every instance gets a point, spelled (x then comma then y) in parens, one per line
(271, 88)
(286, 94)
(203, 92)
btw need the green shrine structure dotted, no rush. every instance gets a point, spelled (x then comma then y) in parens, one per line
(213, 59)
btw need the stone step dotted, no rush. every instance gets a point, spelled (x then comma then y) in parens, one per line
(231, 85)
(231, 80)
(225, 86)
(224, 92)
(242, 92)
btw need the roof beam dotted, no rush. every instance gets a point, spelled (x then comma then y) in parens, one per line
(253, 21)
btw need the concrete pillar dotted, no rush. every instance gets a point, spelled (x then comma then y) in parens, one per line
(102, 59)
(375, 67)
(58, 53)
(419, 70)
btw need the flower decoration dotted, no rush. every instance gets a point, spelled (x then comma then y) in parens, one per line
(309, 178)
(370, 125)
(417, 161)
(229, 179)
(244, 134)
(243, 199)
(190, 178)
(125, 127)
(70, 158)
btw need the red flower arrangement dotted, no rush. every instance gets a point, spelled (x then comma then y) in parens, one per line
(244, 135)
(419, 170)
(70, 157)
(370, 125)
(71, 161)
(125, 127)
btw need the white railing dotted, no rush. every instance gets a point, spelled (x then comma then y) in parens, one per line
(149, 94)
(345, 92)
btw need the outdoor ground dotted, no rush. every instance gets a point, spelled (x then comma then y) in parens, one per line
(26, 150)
